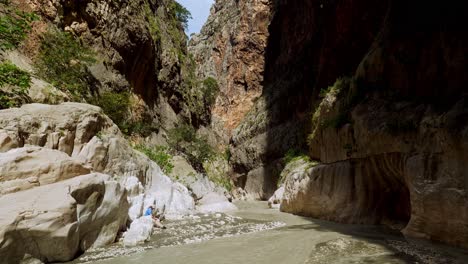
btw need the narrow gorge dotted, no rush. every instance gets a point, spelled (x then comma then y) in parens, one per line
(283, 132)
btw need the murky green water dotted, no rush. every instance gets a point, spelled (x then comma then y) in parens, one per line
(260, 235)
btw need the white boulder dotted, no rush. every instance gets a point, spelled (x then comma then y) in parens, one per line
(140, 231)
(215, 202)
(275, 200)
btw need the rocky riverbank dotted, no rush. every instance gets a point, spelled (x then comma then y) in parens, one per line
(70, 182)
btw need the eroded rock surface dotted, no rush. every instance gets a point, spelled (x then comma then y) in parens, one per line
(28, 167)
(375, 94)
(57, 221)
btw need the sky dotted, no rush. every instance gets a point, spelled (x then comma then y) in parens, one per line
(200, 10)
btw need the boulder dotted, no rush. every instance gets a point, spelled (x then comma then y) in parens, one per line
(25, 168)
(6, 143)
(54, 222)
(49, 126)
(275, 200)
(140, 231)
(214, 202)
(174, 201)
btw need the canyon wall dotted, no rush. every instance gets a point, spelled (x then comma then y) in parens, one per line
(139, 47)
(230, 48)
(375, 93)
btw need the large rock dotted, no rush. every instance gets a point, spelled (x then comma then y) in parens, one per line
(49, 126)
(140, 231)
(25, 168)
(414, 177)
(275, 200)
(215, 202)
(56, 221)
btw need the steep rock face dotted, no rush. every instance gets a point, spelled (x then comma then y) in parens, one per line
(391, 137)
(230, 48)
(140, 47)
(309, 45)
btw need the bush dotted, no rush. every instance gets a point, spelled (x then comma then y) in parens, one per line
(181, 13)
(294, 155)
(12, 75)
(63, 61)
(142, 128)
(14, 27)
(210, 91)
(160, 155)
(115, 106)
(185, 139)
(20, 82)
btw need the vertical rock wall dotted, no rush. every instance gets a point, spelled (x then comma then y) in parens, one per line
(230, 48)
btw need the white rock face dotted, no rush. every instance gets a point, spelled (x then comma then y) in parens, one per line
(66, 127)
(174, 201)
(140, 231)
(275, 200)
(45, 145)
(25, 168)
(214, 202)
(53, 222)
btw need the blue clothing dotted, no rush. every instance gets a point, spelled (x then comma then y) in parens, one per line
(149, 211)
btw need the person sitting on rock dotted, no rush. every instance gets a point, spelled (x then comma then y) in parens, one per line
(151, 212)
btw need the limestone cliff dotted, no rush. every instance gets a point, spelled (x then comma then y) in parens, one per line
(230, 48)
(375, 92)
(138, 51)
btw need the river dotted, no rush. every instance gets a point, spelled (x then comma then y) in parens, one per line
(257, 234)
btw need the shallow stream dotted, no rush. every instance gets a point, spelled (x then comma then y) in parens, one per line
(257, 234)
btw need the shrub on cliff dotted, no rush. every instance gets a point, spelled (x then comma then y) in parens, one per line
(115, 106)
(14, 26)
(184, 139)
(210, 91)
(160, 155)
(63, 61)
(181, 13)
(15, 83)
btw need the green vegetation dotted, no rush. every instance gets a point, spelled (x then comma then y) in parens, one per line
(153, 23)
(222, 181)
(19, 80)
(181, 13)
(143, 128)
(293, 155)
(210, 91)
(330, 100)
(227, 154)
(14, 26)
(12, 75)
(63, 62)
(160, 155)
(114, 105)
(185, 139)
